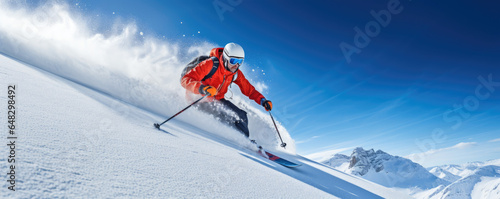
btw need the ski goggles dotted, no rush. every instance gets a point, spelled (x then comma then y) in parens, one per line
(234, 61)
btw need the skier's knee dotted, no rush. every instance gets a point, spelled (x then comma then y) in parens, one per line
(243, 116)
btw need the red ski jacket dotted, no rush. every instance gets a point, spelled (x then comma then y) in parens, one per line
(220, 80)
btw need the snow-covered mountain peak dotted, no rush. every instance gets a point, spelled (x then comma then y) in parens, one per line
(445, 174)
(385, 169)
(363, 160)
(490, 171)
(337, 160)
(454, 172)
(469, 180)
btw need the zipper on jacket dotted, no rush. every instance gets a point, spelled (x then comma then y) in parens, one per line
(220, 87)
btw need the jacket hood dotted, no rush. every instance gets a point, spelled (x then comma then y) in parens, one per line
(217, 52)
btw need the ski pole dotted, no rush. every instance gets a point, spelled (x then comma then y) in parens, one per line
(282, 143)
(158, 125)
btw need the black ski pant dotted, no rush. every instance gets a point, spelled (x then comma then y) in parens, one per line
(228, 113)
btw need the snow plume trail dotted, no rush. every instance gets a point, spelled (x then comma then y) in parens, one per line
(141, 70)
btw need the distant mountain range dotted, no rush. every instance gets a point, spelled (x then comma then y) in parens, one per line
(471, 180)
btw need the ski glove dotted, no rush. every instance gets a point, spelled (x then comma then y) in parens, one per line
(207, 90)
(268, 105)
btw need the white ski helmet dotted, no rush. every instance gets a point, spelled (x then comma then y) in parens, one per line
(233, 53)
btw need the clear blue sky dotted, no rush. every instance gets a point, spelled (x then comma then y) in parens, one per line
(391, 95)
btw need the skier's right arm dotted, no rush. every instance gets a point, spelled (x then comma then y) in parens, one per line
(192, 80)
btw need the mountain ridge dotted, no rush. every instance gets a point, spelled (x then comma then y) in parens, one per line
(385, 169)
(469, 180)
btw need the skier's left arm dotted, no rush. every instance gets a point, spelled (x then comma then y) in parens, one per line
(250, 91)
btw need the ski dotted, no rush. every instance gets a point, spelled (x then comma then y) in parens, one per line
(281, 161)
(276, 159)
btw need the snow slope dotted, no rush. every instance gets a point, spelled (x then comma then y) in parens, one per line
(488, 187)
(143, 71)
(75, 141)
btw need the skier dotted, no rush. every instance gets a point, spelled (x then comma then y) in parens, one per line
(212, 77)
